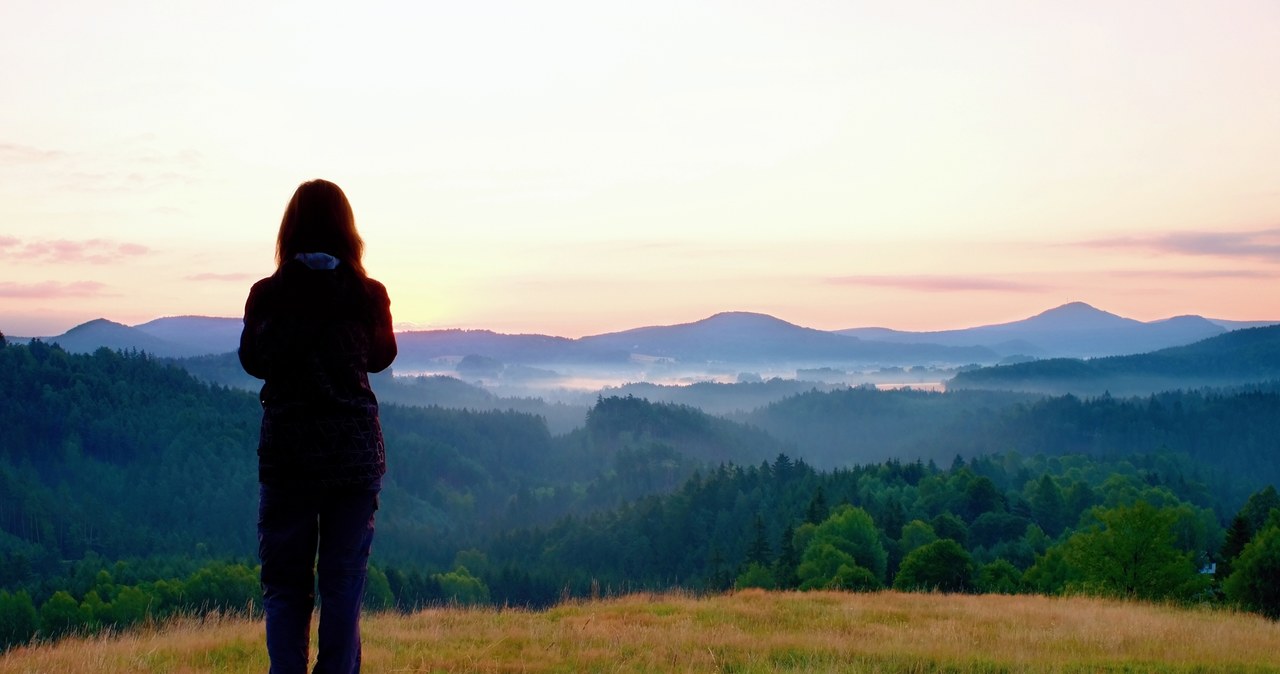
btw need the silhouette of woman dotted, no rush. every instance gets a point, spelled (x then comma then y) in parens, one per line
(313, 331)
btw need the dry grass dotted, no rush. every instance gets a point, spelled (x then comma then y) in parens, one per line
(746, 632)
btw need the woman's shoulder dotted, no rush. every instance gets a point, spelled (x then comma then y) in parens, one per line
(374, 289)
(264, 286)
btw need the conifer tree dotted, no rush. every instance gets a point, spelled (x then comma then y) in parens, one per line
(784, 568)
(1255, 582)
(759, 552)
(1238, 535)
(817, 510)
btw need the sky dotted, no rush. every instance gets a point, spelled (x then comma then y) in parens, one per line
(575, 168)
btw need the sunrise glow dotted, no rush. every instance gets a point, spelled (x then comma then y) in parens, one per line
(574, 168)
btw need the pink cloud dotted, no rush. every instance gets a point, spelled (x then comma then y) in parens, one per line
(51, 290)
(1194, 274)
(93, 251)
(928, 283)
(1263, 243)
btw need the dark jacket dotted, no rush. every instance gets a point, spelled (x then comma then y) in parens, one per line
(314, 335)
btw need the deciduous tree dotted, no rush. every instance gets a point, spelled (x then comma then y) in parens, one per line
(941, 566)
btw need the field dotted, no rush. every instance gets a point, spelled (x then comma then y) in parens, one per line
(745, 632)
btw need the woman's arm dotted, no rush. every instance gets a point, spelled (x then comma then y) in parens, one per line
(383, 349)
(252, 356)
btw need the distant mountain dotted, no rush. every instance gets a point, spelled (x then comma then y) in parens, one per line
(742, 337)
(1236, 358)
(733, 338)
(721, 399)
(172, 337)
(89, 337)
(204, 334)
(1075, 330)
(420, 348)
(1241, 325)
(730, 338)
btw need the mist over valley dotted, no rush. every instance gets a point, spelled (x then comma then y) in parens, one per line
(741, 348)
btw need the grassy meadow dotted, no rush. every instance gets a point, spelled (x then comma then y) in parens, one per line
(748, 632)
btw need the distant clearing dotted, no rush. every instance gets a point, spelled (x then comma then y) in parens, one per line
(750, 631)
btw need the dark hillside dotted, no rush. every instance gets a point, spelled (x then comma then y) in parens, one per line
(422, 391)
(122, 455)
(1235, 358)
(864, 425)
(1234, 435)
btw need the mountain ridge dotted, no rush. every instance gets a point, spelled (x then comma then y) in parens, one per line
(1236, 358)
(1075, 329)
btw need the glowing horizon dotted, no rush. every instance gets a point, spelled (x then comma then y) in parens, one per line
(573, 168)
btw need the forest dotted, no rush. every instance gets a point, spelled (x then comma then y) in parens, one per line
(128, 491)
(1230, 359)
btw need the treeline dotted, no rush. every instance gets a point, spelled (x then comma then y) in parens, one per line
(93, 596)
(1234, 436)
(1004, 524)
(1141, 528)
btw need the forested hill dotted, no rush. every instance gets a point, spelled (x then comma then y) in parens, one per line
(797, 527)
(420, 391)
(125, 456)
(117, 456)
(1234, 435)
(122, 455)
(1235, 358)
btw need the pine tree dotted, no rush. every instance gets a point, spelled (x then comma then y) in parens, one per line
(818, 509)
(1238, 536)
(1255, 582)
(759, 552)
(1048, 508)
(784, 568)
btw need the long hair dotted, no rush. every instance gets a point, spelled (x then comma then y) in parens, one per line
(319, 219)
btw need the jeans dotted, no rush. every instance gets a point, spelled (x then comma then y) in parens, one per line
(294, 524)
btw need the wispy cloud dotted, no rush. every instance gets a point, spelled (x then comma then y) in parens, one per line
(1192, 274)
(135, 165)
(27, 153)
(51, 290)
(62, 251)
(221, 277)
(931, 283)
(1259, 244)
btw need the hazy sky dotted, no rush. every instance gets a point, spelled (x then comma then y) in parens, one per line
(581, 167)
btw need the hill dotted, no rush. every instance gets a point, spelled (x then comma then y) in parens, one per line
(729, 339)
(416, 391)
(750, 632)
(422, 349)
(98, 333)
(1075, 330)
(742, 337)
(1237, 434)
(201, 334)
(714, 398)
(734, 337)
(81, 432)
(1236, 358)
